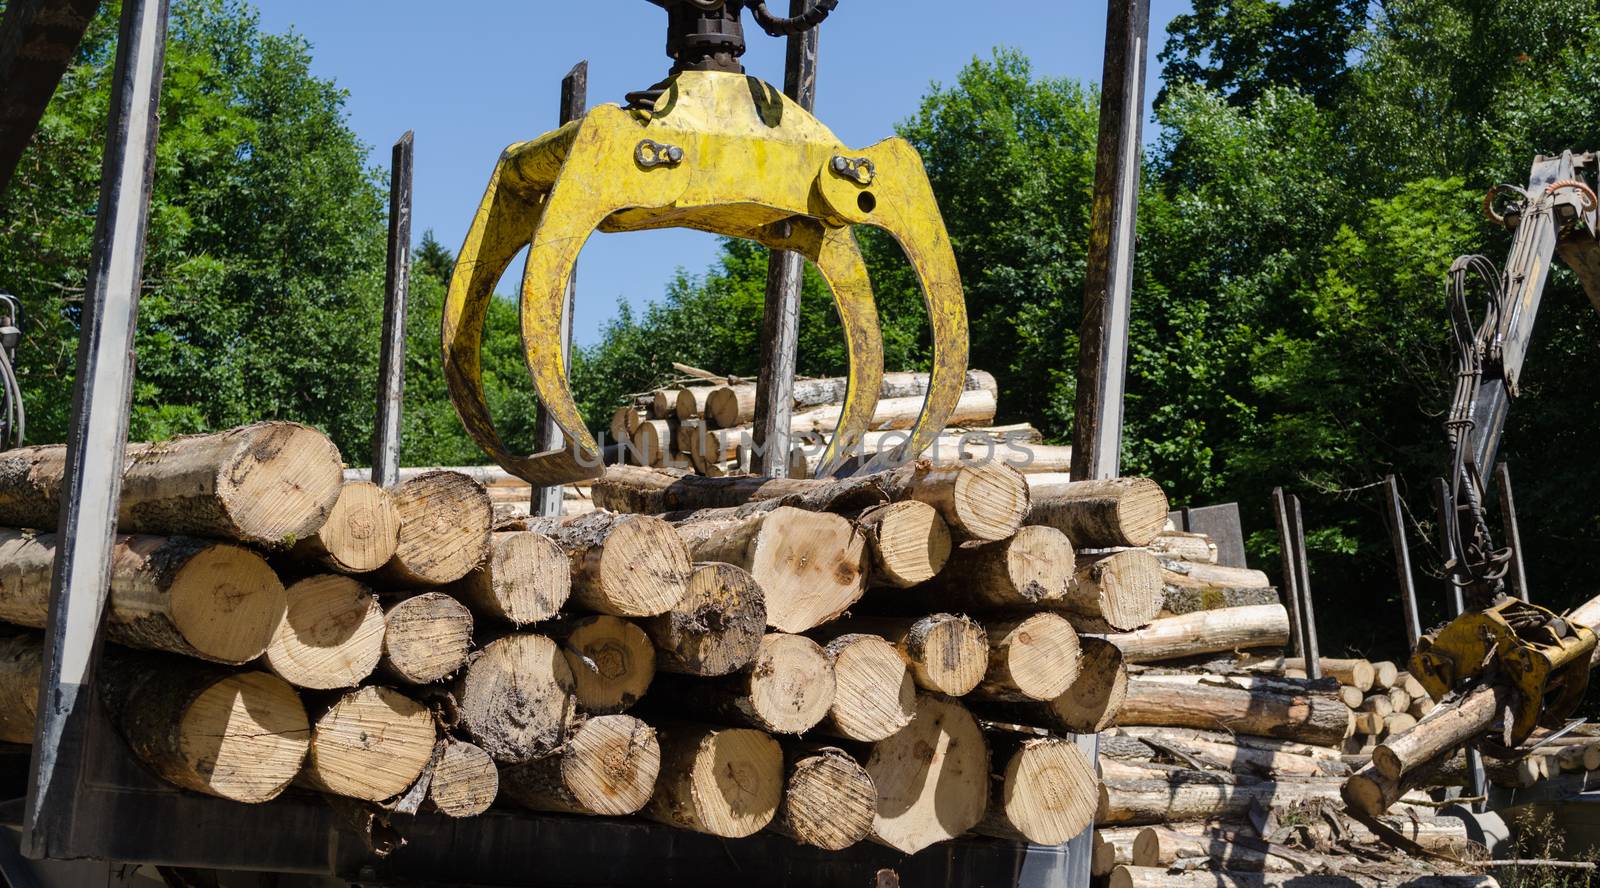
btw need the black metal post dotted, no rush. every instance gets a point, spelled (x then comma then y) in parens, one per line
(396, 293)
(1508, 520)
(547, 434)
(1477, 780)
(1308, 611)
(780, 321)
(1291, 573)
(97, 435)
(1402, 560)
(1107, 292)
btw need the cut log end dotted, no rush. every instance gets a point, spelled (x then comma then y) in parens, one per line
(988, 501)
(932, 778)
(610, 767)
(716, 628)
(464, 782)
(1040, 564)
(525, 579)
(361, 533)
(643, 570)
(1048, 793)
(828, 801)
(245, 737)
(426, 637)
(612, 663)
(331, 635)
(1035, 658)
(810, 565)
(372, 744)
(791, 684)
(1124, 589)
(949, 654)
(225, 601)
(445, 524)
(721, 781)
(909, 541)
(874, 694)
(516, 697)
(279, 484)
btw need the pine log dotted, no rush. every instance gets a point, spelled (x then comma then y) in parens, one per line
(982, 501)
(829, 800)
(691, 401)
(1033, 568)
(1444, 729)
(1206, 632)
(1244, 741)
(1378, 705)
(360, 534)
(720, 781)
(445, 523)
(1188, 587)
(526, 578)
(1309, 718)
(21, 660)
(463, 781)
(608, 768)
(932, 778)
(731, 405)
(371, 744)
(787, 689)
(1178, 545)
(974, 408)
(1045, 794)
(1031, 658)
(654, 439)
(1102, 514)
(622, 565)
(1018, 446)
(269, 484)
(810, 565)
(1166, 844)
(1113, 847)
(1230, 755)
(611, 659)
(516, 697)
(947, 653)
(1357, 673)
(1156, 846)
(1122, 590)
(331, 635)
(202, 598)
(652, 492)
(1159, 877)
(1397, 723)
(623, 421)
(1281, 684)
(909, 543)
(426, 637)
(1351, 696)
(1384, 675)
(1089, 706)
(1177, 796)
(715, 628)
(874, 694)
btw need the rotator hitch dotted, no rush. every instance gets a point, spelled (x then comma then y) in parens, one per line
(712, 149)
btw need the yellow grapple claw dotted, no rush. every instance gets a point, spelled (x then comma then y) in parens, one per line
(718, 152)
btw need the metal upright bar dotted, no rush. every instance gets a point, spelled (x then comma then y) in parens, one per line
(780, 321)
(547, 434)
(1291, 573)
(1108, 290)
(1402, 560)
(396, 293)
(1477, 780)
(1508, 520)
(97, 434)
(1308, 611)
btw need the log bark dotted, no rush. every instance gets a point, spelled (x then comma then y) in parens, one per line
(874, 694)
(1031, 658)
(516, 698)
(608, 768)
(736, 404)
(1033, 568)
(1089, 706)
(810, 565)
(1206, 632)
(371, 744)
(201, 598)
(1121, 590)
(1359, 674)
(526, 578)
(788, 689)
(21, 660)
(947, 654)
(1309, 718)
(975, 408)
(1372, 794)
(983, 501)
(1159, 877)
(240, 736)
(1113, 847)
(270, 484)
(932, 778)
(1169, 843)
(1231, 850)
(1046, 793)
(1443, 730)
(908, 541)
(1178, 545)
(715, 628)
(652, 492)
(360, 534)
(445, 523)
(1102, 514)
(691, 401)
(720, 781)
(331, 635)
(611, 659)
(1191, 586)
(829, 800)
(463, 781)
(622, 565)
(1176, 796)
(426, 637)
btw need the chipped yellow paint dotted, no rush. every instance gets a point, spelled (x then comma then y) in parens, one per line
(755, 165)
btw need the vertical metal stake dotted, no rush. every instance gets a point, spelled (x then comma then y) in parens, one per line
(1308, 611)
(1476, 778)
(97, 435)
(1402, 560)
(396, 292)
(780, 320)
(1508, 521)
(1291, 574)
(547, 434)
(1108, 290)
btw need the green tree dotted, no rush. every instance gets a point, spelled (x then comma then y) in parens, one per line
(1241, 48)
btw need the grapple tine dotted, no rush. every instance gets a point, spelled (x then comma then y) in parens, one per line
(840, 262)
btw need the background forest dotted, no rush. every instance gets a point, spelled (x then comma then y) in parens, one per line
(1319, 164)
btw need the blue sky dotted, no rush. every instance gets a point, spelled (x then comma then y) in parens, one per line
(471, 77)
